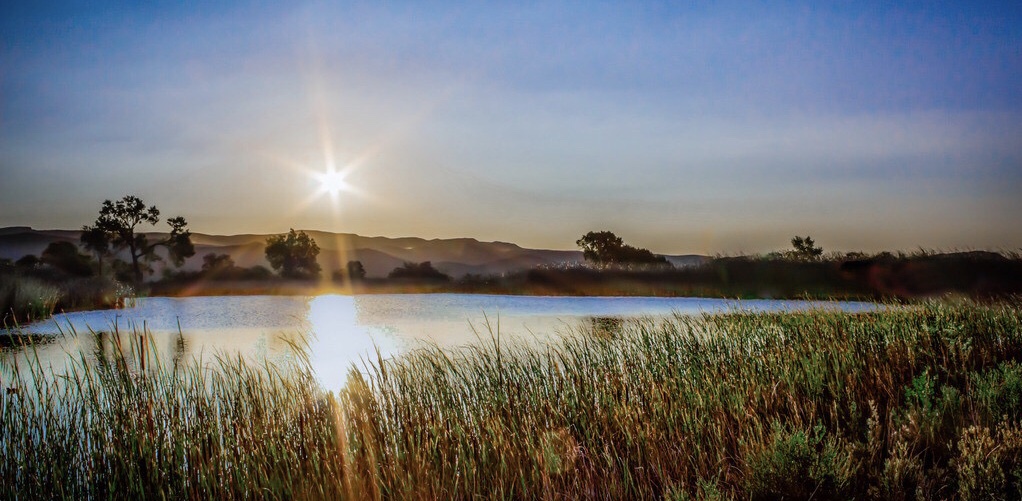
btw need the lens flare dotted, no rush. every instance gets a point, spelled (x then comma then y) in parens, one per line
(332, 182)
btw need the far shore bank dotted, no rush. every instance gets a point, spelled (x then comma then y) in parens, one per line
(980, 276)
(623, 289)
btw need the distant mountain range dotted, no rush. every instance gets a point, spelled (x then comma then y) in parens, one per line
(379, 255)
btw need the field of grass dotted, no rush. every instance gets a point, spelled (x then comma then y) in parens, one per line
(906, 403)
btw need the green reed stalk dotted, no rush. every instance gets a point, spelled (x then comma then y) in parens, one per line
(904, 402)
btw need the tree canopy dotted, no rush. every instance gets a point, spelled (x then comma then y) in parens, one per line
(64, 257)
(214, 264)
(120, 223)
(354, 271)
(805, 249)
(606, 248)
(96, 241)
(293, 255)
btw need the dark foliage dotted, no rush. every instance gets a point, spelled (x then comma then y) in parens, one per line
(214, 263)
(979, 275)
(65, 258)
(96, 241)
(354, 271)
(293, 255)
(605, 248)
(27, 262)
(805, 249)
(119, 222)
(423, 271)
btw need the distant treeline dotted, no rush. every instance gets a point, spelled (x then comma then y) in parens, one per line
(64, 278)
(615, 268)
(886, 275)
(854, 276)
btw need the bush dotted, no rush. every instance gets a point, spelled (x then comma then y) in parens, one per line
(990, 464)
(423, 271)
(799, 464)
(998, 392)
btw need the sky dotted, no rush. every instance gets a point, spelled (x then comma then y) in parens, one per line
(683, 127)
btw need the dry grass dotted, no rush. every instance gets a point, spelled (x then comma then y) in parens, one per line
(921, 402)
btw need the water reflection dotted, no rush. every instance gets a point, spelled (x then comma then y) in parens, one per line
(343, 331)
(341, 339)
(11, 341)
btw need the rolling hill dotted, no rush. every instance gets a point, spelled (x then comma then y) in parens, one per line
(379, 255)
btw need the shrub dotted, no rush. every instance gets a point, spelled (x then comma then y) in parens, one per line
(990, 464)
(799, 464)
(998, 392)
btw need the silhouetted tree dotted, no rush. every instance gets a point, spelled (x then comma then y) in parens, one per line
(356, 271)
(119, 221)
(421, 271)
(96, 241)
(804, 249)
(604, 248)
(293, 255)
(352, 272)
(64, 256)
(216, 263)
(600, 246)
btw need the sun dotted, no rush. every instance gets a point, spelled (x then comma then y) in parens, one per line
(328, 182)
(332, 181)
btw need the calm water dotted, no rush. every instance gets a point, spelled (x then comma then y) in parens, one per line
(346, 329)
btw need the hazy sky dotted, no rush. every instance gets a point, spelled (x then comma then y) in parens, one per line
(683, 126)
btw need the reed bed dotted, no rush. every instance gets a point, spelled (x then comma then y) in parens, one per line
(903, 403)
(25, 299)
(128, 426)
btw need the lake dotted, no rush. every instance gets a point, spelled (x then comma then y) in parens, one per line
(345, 330)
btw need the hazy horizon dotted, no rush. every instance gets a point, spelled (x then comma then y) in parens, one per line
(783, 244)
(694, 129)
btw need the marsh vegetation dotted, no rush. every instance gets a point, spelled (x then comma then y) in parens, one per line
(907, 402)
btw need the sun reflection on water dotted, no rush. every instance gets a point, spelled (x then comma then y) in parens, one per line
(339, 339)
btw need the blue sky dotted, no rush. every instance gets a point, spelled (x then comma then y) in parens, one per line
(706, 127)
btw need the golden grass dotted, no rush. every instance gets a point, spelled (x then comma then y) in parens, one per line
(894, 404)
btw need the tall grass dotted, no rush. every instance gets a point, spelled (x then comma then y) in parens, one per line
(127, 426)
(792, 404)
(921, 402)
(24, 299)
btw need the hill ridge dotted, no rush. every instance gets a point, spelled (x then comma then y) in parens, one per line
(379, 254)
